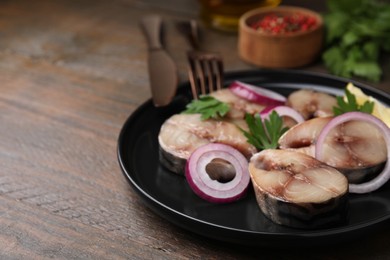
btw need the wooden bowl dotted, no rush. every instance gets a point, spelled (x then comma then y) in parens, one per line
(270, 50)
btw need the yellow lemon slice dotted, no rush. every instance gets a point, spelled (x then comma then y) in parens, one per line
(381, 111)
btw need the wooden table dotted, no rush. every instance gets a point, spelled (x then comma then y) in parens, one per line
(71, 72)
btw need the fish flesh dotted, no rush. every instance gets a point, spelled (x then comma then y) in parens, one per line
(303, 135)
(296, 190)
(310, 103)
(181, 134)
(355, 148)
(238, 106)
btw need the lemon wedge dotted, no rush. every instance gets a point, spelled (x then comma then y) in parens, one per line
(381, 111)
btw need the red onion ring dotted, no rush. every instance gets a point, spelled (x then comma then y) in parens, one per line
(283, 111)
(257, 94)
(212, 190)
(384, 176)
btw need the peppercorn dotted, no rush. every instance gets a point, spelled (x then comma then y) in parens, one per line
(278, 24)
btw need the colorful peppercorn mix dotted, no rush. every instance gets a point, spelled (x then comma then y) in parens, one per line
(277, 24)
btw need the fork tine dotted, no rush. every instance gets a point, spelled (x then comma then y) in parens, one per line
(193, 81)
(208, 66)
(201, 75)
(215, 73)
(196, 75)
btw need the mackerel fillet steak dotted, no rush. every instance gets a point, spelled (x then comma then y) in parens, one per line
(296, 190)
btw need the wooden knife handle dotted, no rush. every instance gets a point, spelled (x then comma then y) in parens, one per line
(152, 28)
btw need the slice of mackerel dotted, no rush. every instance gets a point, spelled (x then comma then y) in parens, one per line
(296, 190)
(181, 134)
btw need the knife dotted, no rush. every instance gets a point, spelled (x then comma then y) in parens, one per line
(162, 69)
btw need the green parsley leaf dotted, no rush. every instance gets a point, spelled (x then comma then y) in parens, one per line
(264, 134)
(357, 33)
(351, 105)
(369, 70)
(208, 107)
(334, 58)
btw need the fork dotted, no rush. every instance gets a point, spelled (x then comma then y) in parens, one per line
(205, 70)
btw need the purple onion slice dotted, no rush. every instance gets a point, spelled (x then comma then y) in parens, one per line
(228, 163)
(283, 111)
(257, 94)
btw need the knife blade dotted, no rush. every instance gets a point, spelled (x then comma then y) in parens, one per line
(162, 69)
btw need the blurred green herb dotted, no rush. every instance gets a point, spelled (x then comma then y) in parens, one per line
(264, 134)
(351, 105)
(357, 31)
(208, 107)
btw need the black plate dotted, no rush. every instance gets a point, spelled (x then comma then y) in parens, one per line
(241, 222)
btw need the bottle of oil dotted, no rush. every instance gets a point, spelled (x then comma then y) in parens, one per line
(225, 14)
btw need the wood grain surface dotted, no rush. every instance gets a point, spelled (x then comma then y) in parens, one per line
(71, 72)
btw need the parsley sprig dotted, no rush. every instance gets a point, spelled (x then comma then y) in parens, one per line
(208, 107)
(357, 34)
(351, 105)
(264, 134)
